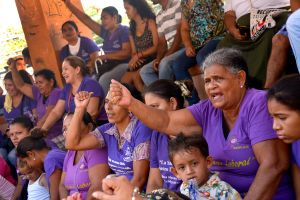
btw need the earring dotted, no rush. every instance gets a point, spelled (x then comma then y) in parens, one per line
(33, 158)
(242, 86)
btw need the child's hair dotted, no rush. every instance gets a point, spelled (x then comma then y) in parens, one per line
(287, 92)
(166, 89)
(24, 121)
(35, 141)
(187, 143)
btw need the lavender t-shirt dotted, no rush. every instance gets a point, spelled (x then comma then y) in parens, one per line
(54, 160)
(296, 152)
(113, 42)
(121, 160)
(24, 108)
(233, 157)
(87, 47)
(77, 176)
(42, 105)
(87, 84)
(159, 158)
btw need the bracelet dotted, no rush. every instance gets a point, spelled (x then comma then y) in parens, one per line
(135, 192)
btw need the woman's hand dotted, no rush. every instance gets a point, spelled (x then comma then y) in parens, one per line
(119, 94)
(235, 32)
(190, 51)
(115, 188)
(75, 196)
(135, 62)
(82, 99)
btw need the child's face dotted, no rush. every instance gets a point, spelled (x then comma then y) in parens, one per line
(191, 164)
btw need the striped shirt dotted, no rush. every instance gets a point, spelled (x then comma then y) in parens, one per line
(168, 19)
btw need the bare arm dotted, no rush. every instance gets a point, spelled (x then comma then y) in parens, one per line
(171, 123)
(84, 18)
(91, 63)
(154, 181)
(140, 173)
(96, 174)
(63, 192)
(23, 87)
(18, 189)
(185, 33)
(56, 113)
(231, 25)
(273, 159)
(54, 180)
(296, 180)
(93, 107)
(124, 53)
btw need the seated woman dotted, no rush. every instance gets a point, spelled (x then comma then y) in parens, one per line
(46, 93)
(14, 103)
(125, 137)
(143, 40)
(164, 95)
(116, 44)
(75, 73)
(83, 170)
(284, 106)
(256, 43)
(34, 151)
(80, 46)
(235, 122)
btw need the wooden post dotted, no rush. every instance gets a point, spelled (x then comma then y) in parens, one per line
(41, 21)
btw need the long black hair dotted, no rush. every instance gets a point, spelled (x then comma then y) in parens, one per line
(143, 9)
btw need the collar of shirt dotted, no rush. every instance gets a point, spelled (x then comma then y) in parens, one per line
(127, 133)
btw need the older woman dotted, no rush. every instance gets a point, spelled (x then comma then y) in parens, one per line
(284, 106)
(74, 72)
(126, 138)
(235, 123)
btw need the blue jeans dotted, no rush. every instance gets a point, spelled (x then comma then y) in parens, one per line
(148, 74)
(293, 28)
(183, 62)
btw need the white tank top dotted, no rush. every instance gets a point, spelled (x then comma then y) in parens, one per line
(36, 191)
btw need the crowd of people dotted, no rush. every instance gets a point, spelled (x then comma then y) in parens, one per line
(127, 123)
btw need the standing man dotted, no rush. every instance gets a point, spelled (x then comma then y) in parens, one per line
(168, 26)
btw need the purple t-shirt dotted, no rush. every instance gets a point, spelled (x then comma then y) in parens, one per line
(296, 152)
(43, 103)
(24, 108)
(113, 42)
(77, 176)
(87, 47)
(54, 160)
(121, 160)
(87, 84)
(159, 158)
(233, 157)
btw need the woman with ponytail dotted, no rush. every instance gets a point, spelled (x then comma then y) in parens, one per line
(34, 151)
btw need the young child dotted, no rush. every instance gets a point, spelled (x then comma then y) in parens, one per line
(191, 161)
(37, 186)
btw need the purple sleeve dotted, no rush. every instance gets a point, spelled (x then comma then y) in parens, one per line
(96, 156)
(54, 97)
(260, 121)
(90, 45)
(153, 150)
(198, 111)
(65, 92)
(125, 35)
(93, 86)
(63, 53)
(52, 163)
(36, 92)
(142, 135)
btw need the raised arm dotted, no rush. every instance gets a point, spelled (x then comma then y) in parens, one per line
(23, 87)
(170, 123)
(273, 159)
(75, 140)
(84, 18)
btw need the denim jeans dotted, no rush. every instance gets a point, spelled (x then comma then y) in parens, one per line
(148, 74)
(293, 28)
